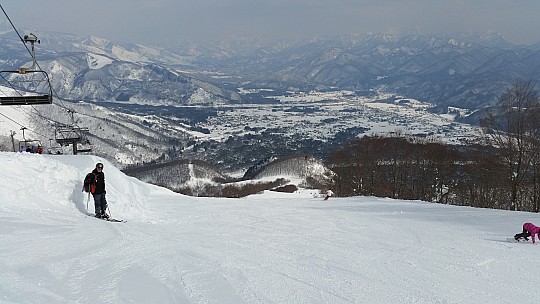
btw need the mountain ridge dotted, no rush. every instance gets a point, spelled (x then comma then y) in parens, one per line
(237, 103)
(420, 66)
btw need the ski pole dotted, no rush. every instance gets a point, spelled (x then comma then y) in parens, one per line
(87, 202)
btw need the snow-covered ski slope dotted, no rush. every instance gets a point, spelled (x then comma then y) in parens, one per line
(268, 248)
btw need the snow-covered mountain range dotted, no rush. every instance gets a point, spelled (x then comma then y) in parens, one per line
(465, 70)
(94, 69)
(238, 103)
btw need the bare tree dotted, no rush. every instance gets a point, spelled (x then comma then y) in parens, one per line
(509, 129)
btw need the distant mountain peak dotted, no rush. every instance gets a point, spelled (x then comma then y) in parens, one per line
(96, 42)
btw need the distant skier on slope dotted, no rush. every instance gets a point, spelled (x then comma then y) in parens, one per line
(100, 202)
(329, 193)
(528, 230)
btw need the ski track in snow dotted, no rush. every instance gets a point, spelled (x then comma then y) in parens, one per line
(269, 248)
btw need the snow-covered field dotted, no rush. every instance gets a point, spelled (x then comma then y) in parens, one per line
(268, 248)
(321, 116)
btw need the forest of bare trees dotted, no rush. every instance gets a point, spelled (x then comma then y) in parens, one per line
(502, 174)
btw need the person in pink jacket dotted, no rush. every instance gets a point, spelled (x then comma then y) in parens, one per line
(529, 229)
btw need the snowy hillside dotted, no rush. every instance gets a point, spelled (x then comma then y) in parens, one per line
(268, 248)
(124, 138)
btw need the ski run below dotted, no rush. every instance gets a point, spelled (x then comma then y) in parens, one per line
(266, 248)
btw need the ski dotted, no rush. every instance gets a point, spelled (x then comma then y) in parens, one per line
(114, 220)
(110, 219)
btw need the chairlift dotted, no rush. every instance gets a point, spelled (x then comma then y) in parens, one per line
(30, 145)
(22, 75)
(84, 148)
(54, 148)
(66, 135)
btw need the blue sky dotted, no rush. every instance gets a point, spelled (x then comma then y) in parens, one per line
(159, 21)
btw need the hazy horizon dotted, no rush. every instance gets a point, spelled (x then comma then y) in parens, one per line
(168, 21)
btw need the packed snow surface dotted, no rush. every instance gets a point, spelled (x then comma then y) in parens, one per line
(267, 248)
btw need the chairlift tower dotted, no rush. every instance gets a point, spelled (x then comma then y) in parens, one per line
(32, 39)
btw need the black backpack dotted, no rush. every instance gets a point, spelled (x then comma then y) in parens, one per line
(89, 184)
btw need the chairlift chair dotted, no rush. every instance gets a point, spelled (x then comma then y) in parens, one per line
(84, 148)
(54, 148)
(66, 135)
(27, 99)
(31, 144)
(72, 135)
(31, 99)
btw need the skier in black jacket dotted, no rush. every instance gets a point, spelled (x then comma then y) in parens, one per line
(100, 202)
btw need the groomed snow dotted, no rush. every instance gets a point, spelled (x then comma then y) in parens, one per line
(268, 248)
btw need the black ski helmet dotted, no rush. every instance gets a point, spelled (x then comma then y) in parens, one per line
(99, 165)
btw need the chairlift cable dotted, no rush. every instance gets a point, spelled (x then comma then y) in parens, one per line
(20, 37)
(32, 39)
(31, 55)
(44, 117)
(10, 84)
(11, 119)
(2, 91)
(39, 114)
(35, 63)
(21, 125)
(62, 105)
(81, 133)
